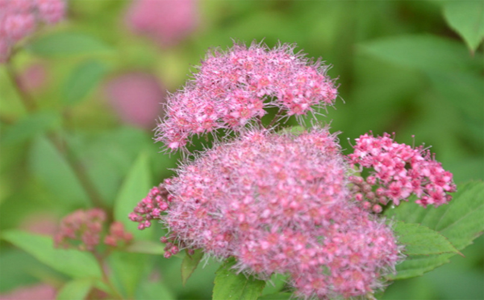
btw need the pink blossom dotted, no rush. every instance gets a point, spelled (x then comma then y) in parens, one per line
(166, 21)
(136, 97)
(279, 203)
(233, 88)
(19, 18)
(33, 78)
(82, 228)
(400, 170)
(38, 291)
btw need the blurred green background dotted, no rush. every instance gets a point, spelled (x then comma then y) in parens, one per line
(401, 66)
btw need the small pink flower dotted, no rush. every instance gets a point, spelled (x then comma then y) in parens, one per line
(19, 18)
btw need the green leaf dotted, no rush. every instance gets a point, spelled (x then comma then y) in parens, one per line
(31, 126)
(189, 264)
(51, 168)
(66, 43)
(83, 80)
(424, 52)
(418, 265)
(421, 240)
(145, 247)
(229, 285)
(128, 270)
(75, 290)
(71, 262)
(21, 267)
(154, 291)
(467, 19)
(135, 187)
(460, 221)
(276, 296)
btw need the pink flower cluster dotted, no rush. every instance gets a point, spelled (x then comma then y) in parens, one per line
(82, 230)
(399, 170)
(136, 97)
(279, 203)
(166, 21)
(19, 18)
(233, 88)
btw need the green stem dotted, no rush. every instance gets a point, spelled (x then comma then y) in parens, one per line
(115, 293)
(26, 99)
(60, 144)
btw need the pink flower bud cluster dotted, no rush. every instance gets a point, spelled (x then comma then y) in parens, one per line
(19, 18)
(150, 207)
(400, 170)
(279, 203)
(166, 21)
(82, 229)
(117, 236)
(232, 88)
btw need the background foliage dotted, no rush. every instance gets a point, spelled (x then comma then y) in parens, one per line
(410, 67)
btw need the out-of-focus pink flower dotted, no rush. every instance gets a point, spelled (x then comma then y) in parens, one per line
(37, 292)
(166, 21)
(43, 223)
(233, 88)
(19, 18)
(136, 97)
(81, 229)
(33, 78)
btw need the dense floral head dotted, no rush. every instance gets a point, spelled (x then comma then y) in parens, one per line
(234, 87)
(19, 18)
(279, 203)
(399, 171)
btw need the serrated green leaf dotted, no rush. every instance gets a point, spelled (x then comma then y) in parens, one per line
(421, 240)
(128, 270)
(460, 221)
(418, 265)
(71, 262)
(467, 19)
(66, 43)
(229, 285)
(276, 296)
(31, 126)
(75, 290)
(145, 247)
(60, 179)
(420, 52)
(189, 264)
(135, 187)
(83, 79)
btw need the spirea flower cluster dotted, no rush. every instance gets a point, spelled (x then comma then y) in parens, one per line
(399, 170)
(19, 18)
(83, 229)
(232, 88)
(281, 202)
